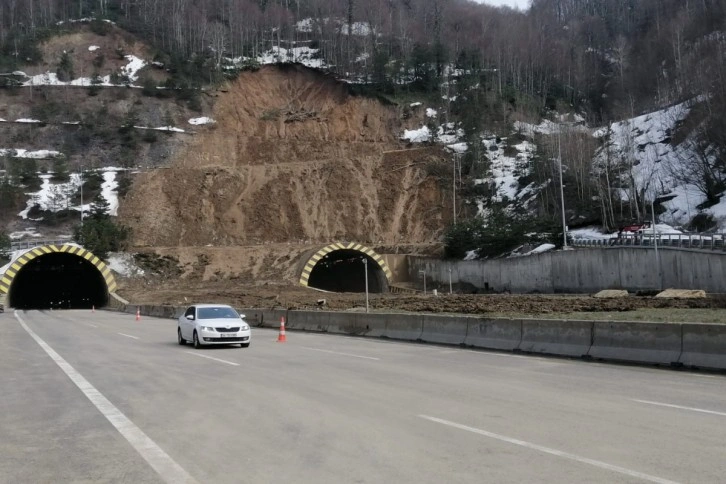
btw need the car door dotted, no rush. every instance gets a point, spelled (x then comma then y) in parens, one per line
(187, 325)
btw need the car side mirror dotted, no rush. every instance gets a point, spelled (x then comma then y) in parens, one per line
(190, 317)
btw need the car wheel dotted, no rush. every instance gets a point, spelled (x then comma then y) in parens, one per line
(181, 340)
(244, 345)
(197, 344)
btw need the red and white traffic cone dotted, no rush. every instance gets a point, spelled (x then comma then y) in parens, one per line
(138, 314)
(281, 337)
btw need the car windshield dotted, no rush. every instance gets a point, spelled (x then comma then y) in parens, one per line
(217, 313)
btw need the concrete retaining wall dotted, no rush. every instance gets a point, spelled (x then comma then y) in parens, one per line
(689, 344)
(581, 271)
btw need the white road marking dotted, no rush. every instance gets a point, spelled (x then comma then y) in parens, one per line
(692, 409)
(213, 358)
(160, 461)
(342, 354)
(555, 452)
(128, 335)
(92, 325)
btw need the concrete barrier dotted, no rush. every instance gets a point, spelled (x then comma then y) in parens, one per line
(308, 321)
(704, 346)
(637, 342)
(498, 334)
(404, 326)
(444, 329)
(555, 337)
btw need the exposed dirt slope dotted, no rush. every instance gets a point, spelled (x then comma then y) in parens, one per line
(293, 158)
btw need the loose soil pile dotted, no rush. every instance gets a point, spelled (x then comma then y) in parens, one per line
(271, 295)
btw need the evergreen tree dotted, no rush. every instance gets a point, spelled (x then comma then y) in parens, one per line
(99, 233)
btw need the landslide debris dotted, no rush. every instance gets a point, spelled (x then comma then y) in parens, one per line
(294, 158)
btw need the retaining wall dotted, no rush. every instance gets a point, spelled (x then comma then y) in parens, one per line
(581, 271)
(691, 345)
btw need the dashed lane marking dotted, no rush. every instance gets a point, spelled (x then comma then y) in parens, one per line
(339, 353)
(555, 452)
(680, 407)
(213, 358)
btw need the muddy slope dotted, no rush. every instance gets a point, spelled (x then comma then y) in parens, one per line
(292, 158)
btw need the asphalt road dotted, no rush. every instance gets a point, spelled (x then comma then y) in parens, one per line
(98, 397)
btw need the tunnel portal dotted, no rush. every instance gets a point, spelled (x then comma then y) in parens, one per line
(343, 268)
(49, 277)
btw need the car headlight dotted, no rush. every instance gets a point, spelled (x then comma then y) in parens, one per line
(207, 328)
(244, 327)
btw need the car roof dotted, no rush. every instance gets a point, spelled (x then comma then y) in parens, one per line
(208, 305)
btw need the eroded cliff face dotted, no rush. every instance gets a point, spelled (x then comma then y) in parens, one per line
(292, 158)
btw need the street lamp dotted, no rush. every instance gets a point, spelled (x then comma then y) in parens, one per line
(365, 270)
(81, 179)
(424, 279)
(562, 190)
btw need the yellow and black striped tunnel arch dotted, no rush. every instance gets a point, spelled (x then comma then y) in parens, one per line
(6, 279)
(305, 276)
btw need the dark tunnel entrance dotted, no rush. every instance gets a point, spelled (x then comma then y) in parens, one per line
(344, 271)
(58, 280)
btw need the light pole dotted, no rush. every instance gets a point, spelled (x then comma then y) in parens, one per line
(562, 190)
(451, 291)
(365, 270)
(655, 242)
(424, 279)
(456, 157)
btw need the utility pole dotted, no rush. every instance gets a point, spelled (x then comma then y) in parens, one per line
(451, 291)
(424, 279)
(562, 190)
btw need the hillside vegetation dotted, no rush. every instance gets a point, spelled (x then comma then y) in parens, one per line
(477, 78)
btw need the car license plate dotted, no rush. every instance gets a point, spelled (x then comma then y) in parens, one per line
(228, 335)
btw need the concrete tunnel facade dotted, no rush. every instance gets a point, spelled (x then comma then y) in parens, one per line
(50, 276)
(340, 267)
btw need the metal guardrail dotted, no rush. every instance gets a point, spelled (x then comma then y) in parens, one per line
(29, 244)
(678, 241)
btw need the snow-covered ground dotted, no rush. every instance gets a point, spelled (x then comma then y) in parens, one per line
(506, 171)
(123, 263)
(303, 55)
(201, 121)
(55, 197)
(48, 78)
(643, 146)
(23, 153)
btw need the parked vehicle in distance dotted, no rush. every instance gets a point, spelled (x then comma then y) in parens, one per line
(213, 324)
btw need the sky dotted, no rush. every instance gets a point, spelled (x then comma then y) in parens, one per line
(521, 4)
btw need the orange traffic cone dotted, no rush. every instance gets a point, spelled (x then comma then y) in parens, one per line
(138, 314)
(281, 337)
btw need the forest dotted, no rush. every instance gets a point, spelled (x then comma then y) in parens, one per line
(605, 60)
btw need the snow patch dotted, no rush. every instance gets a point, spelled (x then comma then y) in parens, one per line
(93, 48)
(22, 153)
(431, 113)
(201, 121)
(123, 264)
(24, 233)
(420, 135)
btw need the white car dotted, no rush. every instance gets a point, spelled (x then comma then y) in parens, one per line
(213, 324)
